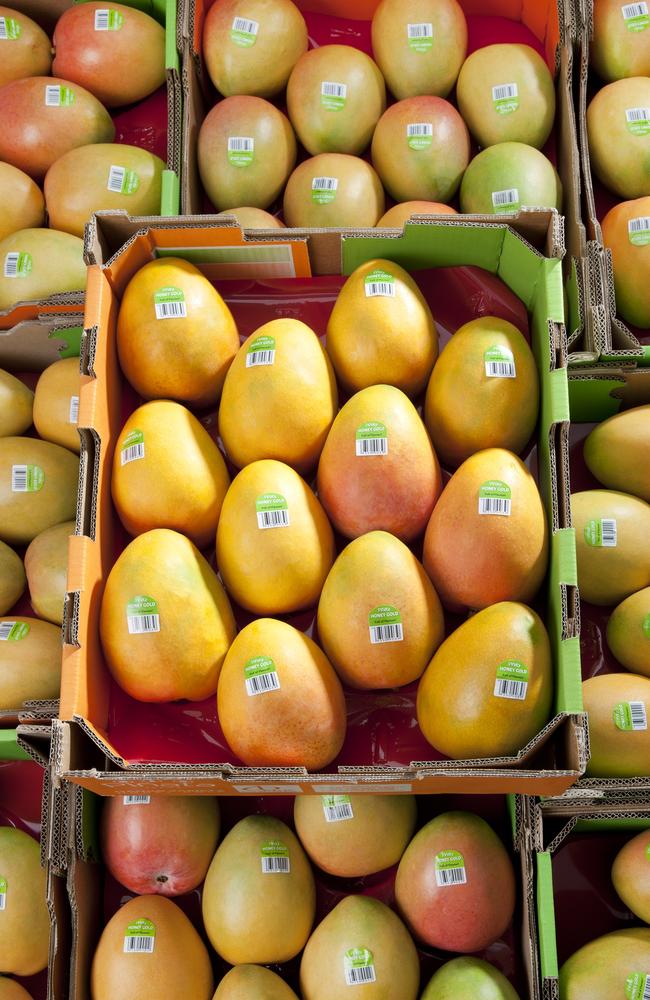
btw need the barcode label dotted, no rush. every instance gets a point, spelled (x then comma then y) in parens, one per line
(356, 977)
(240, 144)
(419, 30)
(261, 683)
(11, 265)
(505, 199)
(132, 453)
(419, 128)
(19, 479)
(116, 177)
(328, 89)
(637, 114)
(3, 895)
(386, 633)
(137, 800)
(58, 96)
(450, 876)
(273, 519)
(505, 91)
(324, 183)
(245, 26)
(139, 624)
(73, 415)
(500, 369)
(13, 631)
(640, 225)
(337, 808)
(372, 446)
(374, 288)
(359, 966)
(256, 358)
(5, 630)
(139, 945)
(608, 532)
(102, 20)
(510, 689)
(638, 715)
(634, 10)
(494, 505)
(271, 866)
(107, 19)
(170, 310)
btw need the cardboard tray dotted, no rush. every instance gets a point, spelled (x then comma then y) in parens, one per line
(84, 750)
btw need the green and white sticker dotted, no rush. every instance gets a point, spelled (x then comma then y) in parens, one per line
(121, 180)
(638, 231)
(108, 19)
(260, 676)
(638, 120)
(337, 808)
(169, 303)
(18, 264)
(495, 497)
(58, 96)
(630, 716)
(132, 447)
(506, 201)
(274, 856)
(450, 869)
(420, 36)
(505, 98)
(499, 362)
(601, 532)
(359, 967)
(379, 283)
(419, 135)
(244, 32)
(241, 150)
(637, 986)
(646, 626)
(261, 351)
(142, 615)
(385, 625)
(511, 680)
(636, 16)
(371, 438)
(333, 95)
(140, 937)
(10, 29)
(323, 189)
(27, 478)
(272, 511)
(13, 631)
(3, 893)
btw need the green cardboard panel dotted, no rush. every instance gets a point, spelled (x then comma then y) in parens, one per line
(427, 245)
(590, 399)
(170, 199)
(619, 825)
(9, 749)
(165, 12)
(70, 341)
(546, 916)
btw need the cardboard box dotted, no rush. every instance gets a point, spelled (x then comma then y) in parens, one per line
(84, 750)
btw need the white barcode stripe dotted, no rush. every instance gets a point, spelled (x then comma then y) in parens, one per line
(261, 683)
(11, 264)
(356, 977)
(635, 10)
(328, 89)
(450, 876)
(139, 945)
(386, 633)
(500, 369)
(334, 814)
(241, 143)
(516, 690)
(73, 415)
(170, 310)
(608, 532)
(139, 624)
(256, 358)
(640, 225)
(494, 505)
(132, 453)
(137, 800)
(52, 96)
(101, 20)
(504, 91)
(420, 30)
(509, 197)
(638, 114)
(4, 33)
(324, 183)
(372, 446)
(273, 519)
(19, 479)
(116, 179)
(246, 26)
(5, 630)
(638, 715)
(3, 900)
(375, 288)
(273, 865)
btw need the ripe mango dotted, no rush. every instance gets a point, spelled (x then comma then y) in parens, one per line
(176, 336)
(165, 622)
(254, 218)
(611, 965)
(23, 206)
(30, 661)
(56, 403)
(25, 919)
(631, 875)
(509, 176)
(38, 487)
(630, 258)
(275, 545)
(339, 832)
(361, 942)
(618, 706)
(455, 884)
(620, 45)
(37, 263)
(168, 473)
(379, 618)
(396, 216)
(469, 978)
(365, 331)
(488, 364)
(487, 538)
(177, 966)
(16, 405)
(252, 982)
(378, 470)
(280, 703)
(26, 49)
(46, 565)
(617, 452)
(619, 140)
(628, 632)
(12, 578)
(613, 544)
(488, 688)
(11, 990)
(279, 398)
(333, 189)
(259, 897)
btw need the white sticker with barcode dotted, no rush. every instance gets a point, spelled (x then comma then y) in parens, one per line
(337, 808)
(505, 91)
(325, 184)
(500, 369)
(508, 198)
(419, 129)
(274, 857)
(19, 479)
(450, 869)
(359, 967)
(260, 676)
(637, 114)
(273, 519)
(116, 176)
(137, 800)
(630, 10)
(241, 144)
(608, 532)
(638, 715)
(73, 413)
(140, 938)
(142, 615)
(422, 30)
(5, 630)
(329, 89)
(245, 26)
(11, 264)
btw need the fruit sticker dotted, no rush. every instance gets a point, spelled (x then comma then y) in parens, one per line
(27, 478)
(630, 716)
(140, 937)
(371, 438)
(379, 283)
(17, 264)
(169, 303)
(323, 189)
(274, 856)
(359, 967)
(638, 231)
(122, 181)
(419, 135)
(506, 201)
(132, 447)
(241, 149)
(635, 16)
(260, 676)
(499, 362)
(108, 19)
(495, 497)
(9, 29)
(261, 351)
(450, 869)
(638, 120)
(142, 615)
(505, 98)
(385, 625)
(13, 631)
(637, 986)
(333, 95)
(511, 680)
(272, 511)
(601, 532)
(420, 37)
(58, 96)
(73, 412)
(646, 626)
(244, 32)
(3, 893)
(337, 808)
(137, 800)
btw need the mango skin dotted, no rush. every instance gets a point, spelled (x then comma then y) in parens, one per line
(631, 875)
(16, 405)
(607, 575)
(619, 159)
(616, 51)
(469, 978)
(46, 566)
(52, 402)
(30, 668)
(253, 982)
(631, 263)
(28, 55)
(23, 206)
(616, 753)
(508, 165)
(24, 515)
(628, 632)
(359, 199)
(11, 990)
(599, 970)
(25, 923)
(12, 578)
(396, 216)
(254, 218)
(57, 266)
(617, 452)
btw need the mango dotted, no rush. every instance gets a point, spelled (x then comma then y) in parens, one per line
(246, 151)
(254, 218)
(25, 50)
(339, 832)
(45, 116)
(335, 97)
(631, 875)
(488, 688)
(487, 538)
(165, 622)
(613, 544)
(613, 964)
(509, 176)
(280, 703)
(455, 884)
(25, 919)
(37, 263)
(12, 578)
(625, 234)
(365, 331)
(23, 205)
(259, 897)
(490, 365)
(379, 618)
(252, 982)
(620, 45)
(118, 56)
(617, 452)
(251, 46)
(11, 990)
(619, 137)
(361, 942)
(176, 337)
(38, 487)
(46, 566)
(618, 706)
(279, 398)
(506, 94)
(378, 470)
(420, 45)
(396, 216)
(150, 948)
(168, 473)
(102, 176)
(420, 149)
(333, 189)
(56, 403)
(275, 545)
(469, 978)
(16, 405)
(30, 661)
(628, 632)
